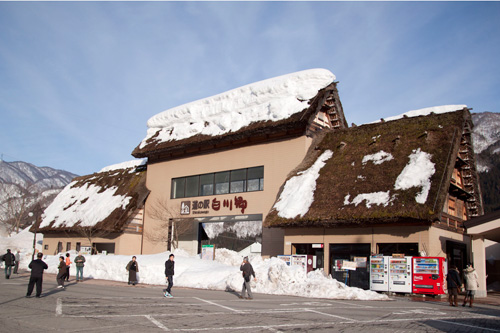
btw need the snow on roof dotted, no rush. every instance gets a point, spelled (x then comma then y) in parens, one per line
(273, 99)
(425, 112)
(377, 158)
(298, 193)
(417, 173)
(124, 165)
(88, 205)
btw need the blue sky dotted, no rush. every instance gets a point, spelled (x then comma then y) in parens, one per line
(79, 80)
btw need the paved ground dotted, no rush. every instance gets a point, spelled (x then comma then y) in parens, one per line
(104, 306)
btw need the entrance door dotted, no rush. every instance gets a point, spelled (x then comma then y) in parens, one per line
(361, 276)
(456, 254)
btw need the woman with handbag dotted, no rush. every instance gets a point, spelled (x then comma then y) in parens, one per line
(471, 284)
(132, 268)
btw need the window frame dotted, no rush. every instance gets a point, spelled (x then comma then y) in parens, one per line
(229, 185)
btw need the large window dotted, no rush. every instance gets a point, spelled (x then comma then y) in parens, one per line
(232, 181)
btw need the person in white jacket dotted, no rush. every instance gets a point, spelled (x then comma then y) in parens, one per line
(471, 284)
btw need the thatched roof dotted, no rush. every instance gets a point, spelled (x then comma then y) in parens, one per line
(101, 201)
(162, 144)
(363, 182)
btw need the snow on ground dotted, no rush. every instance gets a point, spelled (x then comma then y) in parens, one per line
(273, 99)
(273, 275)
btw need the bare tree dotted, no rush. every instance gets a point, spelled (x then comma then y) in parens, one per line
(14, 211)
(170, 226)
(91, 233)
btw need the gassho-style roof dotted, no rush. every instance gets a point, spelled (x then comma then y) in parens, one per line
(253, 113)
(103, 200)
(381, 173)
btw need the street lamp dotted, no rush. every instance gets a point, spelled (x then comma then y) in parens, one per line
(34, 234)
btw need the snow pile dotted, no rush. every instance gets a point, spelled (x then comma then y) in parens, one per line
(90, 205)
(377, 158)
(124, 165)
(273, 99)
(425, 112)
(23, 241)
(273, 275)
(417, 173)
(298, 193)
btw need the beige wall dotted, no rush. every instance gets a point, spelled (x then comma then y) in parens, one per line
(278, 158)
(125, 244)
(430, 239)
(367, 235)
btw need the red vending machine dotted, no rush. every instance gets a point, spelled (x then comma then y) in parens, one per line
(429, 275)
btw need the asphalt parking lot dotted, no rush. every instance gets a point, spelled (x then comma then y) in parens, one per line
(105, 306)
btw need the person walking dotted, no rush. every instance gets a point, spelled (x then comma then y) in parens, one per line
(68, 263)
(18, 260)
(454, 283)
(61, 275)
(169, 275)
(37, 267)
(132, 268)
(10, 260)
(79, 263)
(471, 284)
(247, 270)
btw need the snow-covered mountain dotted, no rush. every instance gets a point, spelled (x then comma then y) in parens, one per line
(28, 185)
(486, 136)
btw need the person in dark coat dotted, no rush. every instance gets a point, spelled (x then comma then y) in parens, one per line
(132, 268)
(37, 267)
(247, 270)
(10, 260)
(61, 275)
(454, 283)
(169, 274)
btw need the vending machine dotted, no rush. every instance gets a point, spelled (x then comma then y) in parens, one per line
(429, 275)
(379, 277)
(306, 261)
(400, 275)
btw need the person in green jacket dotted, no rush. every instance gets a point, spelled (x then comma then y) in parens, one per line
(79, 263)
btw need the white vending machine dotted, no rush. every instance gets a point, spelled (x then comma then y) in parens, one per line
(379, 274)
(400, 275)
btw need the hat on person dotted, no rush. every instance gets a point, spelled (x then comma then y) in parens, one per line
(245, 259)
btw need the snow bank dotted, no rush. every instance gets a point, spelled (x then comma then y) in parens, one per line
(273, 275)
(273, 99)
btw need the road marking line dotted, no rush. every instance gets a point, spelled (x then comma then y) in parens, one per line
(470, 326)
(330, 315)
(59, 307)
(222, 306)
(344, 303)
(157, 323)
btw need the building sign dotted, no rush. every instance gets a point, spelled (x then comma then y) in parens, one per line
(207, 205)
